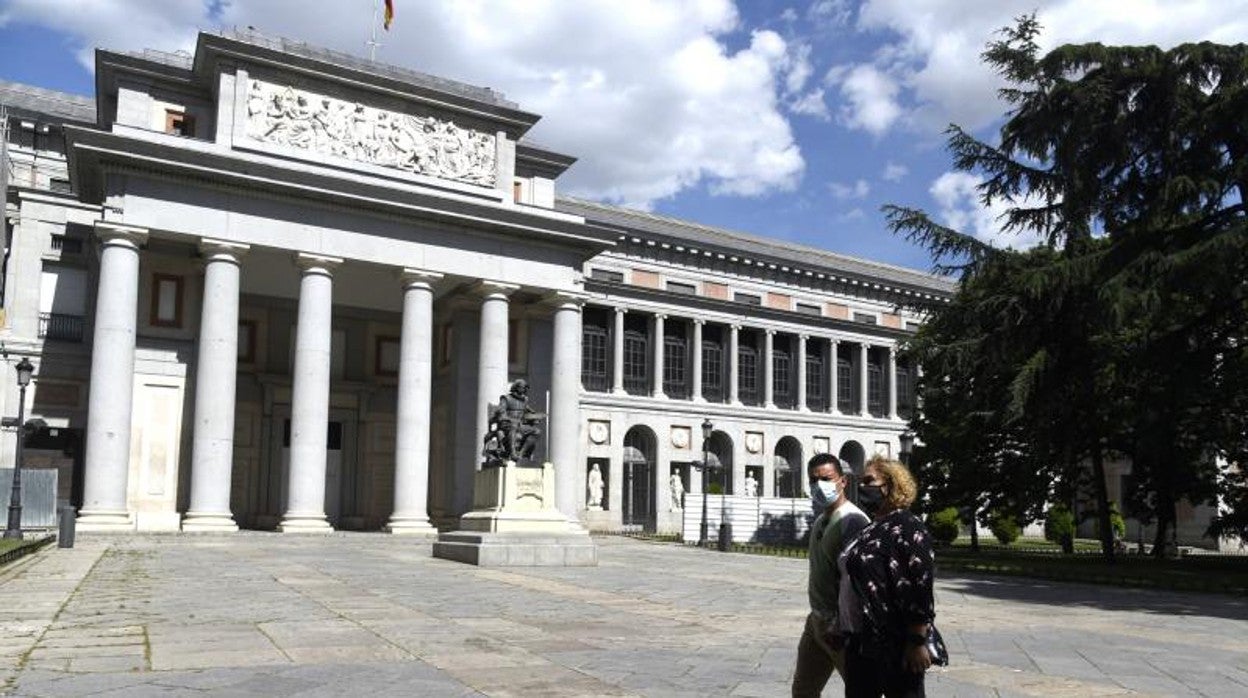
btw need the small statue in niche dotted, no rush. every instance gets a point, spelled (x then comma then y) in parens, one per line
(677, 487)
(513, 427)
(595, 485)
(751, 486)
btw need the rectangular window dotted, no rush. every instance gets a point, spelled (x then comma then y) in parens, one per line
(517, 191)
(636, 360)
(246, 341)
(446, 343)
(875, 390)
(845, 386)
(616, 277)
(865, 318)
(712, 371)
(912, 326)
(815, 382)
(782, 384)
(809, 309)
(747, 374)
(748, 298)
(166, 301)
(675, 375)
(682, 288)
(386, 356)
(179, 123)
(905, 392)
(594, 358)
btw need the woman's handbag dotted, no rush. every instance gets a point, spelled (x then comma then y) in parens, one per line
(936, 646)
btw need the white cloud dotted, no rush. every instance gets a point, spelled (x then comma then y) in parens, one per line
(957, 196)
(647, 94)
(894, 172)
(811, 104)
(830, 13)
(857, 190)
(870, 95)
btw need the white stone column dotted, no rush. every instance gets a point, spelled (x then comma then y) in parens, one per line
(411, 428)
(834, 375)
(734, 371)
(617, 353)
(696, 378)
(658, 354)
(892, 383)
(216, 371)
(109, 405)
(801, 373)
(769, 370)
(492, 350)
(565, 402)
(864, 380)
(309, 398)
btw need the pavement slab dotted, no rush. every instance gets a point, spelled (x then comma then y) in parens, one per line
(255, 614)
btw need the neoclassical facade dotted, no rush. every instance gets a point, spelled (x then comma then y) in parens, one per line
(272, 286)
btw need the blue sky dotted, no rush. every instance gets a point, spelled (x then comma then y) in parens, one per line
(795, 120)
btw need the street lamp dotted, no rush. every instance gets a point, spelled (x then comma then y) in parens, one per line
(25, 370)
(707, 429)
(905, 446)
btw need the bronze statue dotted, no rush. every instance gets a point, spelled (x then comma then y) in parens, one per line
(513, 427)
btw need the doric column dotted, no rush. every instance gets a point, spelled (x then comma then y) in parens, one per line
(734, 370)
(769, 369)
(109, 404)
(864, 379)
(801, 373)
(617, 353)
(411, 429)
(658, 354)
(492, 349)
(696, 352)
(834, 375)
(892, 382)
(309, 398)
(565, 394)
(216, 370)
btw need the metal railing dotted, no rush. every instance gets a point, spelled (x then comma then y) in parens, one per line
(68, 328)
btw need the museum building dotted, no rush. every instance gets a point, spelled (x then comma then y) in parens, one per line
(274, 286)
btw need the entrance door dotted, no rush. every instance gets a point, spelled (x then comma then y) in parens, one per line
(637, 494)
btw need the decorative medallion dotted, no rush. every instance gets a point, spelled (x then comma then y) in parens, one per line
(599, 432)
(884, 448)
(820, 444)
(680, 437)
(753, 441)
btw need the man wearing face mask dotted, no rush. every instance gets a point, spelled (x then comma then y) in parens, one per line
(837, 521)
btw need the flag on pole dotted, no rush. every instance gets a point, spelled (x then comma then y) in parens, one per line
(388, 15)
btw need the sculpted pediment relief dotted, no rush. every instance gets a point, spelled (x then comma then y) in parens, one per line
(327, 126)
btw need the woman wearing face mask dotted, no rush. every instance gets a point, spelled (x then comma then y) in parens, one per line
(886, 601)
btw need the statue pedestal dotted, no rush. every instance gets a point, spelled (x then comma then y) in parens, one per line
(514, 522)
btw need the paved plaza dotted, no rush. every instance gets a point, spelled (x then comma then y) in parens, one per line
(374, 615)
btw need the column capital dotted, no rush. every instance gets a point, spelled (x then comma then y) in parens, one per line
(561, 299)
(485, 288)
(660, 316)
(892, 351)
(418, 278)
(736, 326)
(215, 250)
(699, 321)
(310, 263)
(804, 336)
(111, 233)
(770, 332)
(620, 310)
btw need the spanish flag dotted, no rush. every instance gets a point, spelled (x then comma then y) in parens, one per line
(388, 15)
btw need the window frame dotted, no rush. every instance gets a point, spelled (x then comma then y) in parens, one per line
(178, 296)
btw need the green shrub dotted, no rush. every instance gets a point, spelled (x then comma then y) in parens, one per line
(714, 488)
(1117, 524)
(944, 525)
(1004, 526)
(1059, 523)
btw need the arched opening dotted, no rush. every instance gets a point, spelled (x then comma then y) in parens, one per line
(720, 451)
(789, 467)
(640, 451)
(854, 456)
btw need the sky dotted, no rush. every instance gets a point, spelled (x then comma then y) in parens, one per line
(791, 119)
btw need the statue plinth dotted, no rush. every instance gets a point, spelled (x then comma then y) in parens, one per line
(514, 522)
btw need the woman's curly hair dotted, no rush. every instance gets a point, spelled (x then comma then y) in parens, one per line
(900, 484)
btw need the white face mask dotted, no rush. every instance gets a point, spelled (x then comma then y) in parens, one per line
(822, 494)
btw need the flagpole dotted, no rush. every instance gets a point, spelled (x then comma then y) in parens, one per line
(372, 40)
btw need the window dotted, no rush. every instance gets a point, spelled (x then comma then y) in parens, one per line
(66, 245)
(912, 326)
(809, 309)
(60, 186)
(875, 390)
(712, 371)
(635, 362)
(782, 384)
(815, 382)
(675, 375)
(905, 392)
(62, 303)
(446, 342)
(594, 358)
(517, 191)
(166, 301)
(845, 386)
(616, 277)
(386, 356)
(865, 318)
(748, 298)
(179, 123)
(246, 341)
(682, 288)
(747, 374)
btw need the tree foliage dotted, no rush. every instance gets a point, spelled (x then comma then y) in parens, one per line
(1123, 332)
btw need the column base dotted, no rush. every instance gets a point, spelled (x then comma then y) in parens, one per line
(104, 521)
(306, 523)
(204, 522)
(769, 405)
(411, 526)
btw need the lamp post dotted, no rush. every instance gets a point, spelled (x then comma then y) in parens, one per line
(707, 429)
(25, 370)
(905, 446)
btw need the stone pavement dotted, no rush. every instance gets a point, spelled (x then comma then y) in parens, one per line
(368, 614)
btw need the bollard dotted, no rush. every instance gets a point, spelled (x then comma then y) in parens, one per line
(725, 537)
(68, 520)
